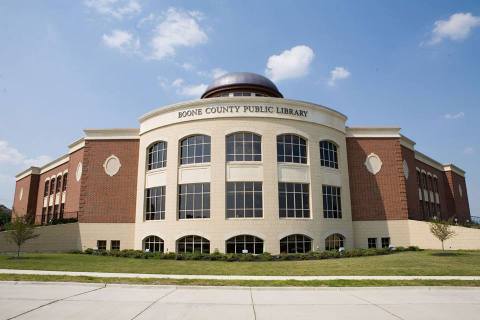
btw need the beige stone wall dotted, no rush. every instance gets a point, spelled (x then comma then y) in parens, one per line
(74, 236)
(270, 228)
(56, 238)
(413, 233)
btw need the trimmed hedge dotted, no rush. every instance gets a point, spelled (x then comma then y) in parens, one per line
(232, 257)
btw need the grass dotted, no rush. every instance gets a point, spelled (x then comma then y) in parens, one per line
(242, 283)
(428, 262)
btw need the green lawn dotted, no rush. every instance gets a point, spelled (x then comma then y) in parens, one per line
(405, 263)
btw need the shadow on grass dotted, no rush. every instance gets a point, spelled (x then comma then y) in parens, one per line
(448, 254)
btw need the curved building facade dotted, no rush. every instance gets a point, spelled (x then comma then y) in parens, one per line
(243, 170)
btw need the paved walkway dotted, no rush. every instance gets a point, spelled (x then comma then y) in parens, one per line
(230, 277)
(37, 300)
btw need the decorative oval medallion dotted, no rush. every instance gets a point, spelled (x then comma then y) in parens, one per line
(406, 170)
(20, 195)
(112, 165)
(373, 163)
(78, 173)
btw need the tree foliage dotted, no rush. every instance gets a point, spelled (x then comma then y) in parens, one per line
(20, 231)
(442, 230)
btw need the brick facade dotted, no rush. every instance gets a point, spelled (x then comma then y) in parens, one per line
(72, 202)
(381, 196)
(26, 206)
(458, 206)
(105, 199)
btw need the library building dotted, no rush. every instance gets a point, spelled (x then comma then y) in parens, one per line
(242, 170)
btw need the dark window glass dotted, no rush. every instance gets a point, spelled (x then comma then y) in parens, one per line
(291, 148)
(193, 244)
(372, 243)
(44, 215)
(102, 245)
(155, 203)
(244, 200)
(293, 200)
(153, 244)
(332, 202)
(195, 149)
(115, 245)
(296, 243)
(194, 201)
(244, 244)
(62, 210)
(385, 242)
(64, 183)
(157, 155)
(334, 242)
(59, 184)
(45, 190)
(52, 186)
(328, 154)
(244, 146)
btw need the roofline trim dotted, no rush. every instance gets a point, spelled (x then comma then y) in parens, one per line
(112, 134)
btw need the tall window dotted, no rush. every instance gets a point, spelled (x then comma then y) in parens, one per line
(244, 146)
(291, 148)
(45, 191)
(195, 149)
(52, 186)
(334, 242)
(192, 244)
(386, 242)
(44, 215)
(194, 200)
(372, 243)
(296, 243)
(294, 200)
(155, 203)
(157, 155)
(245, 244)
(59, 184)
(328, 154)
(244, 200)
(64, 182)
(153, 244)
(332, 202)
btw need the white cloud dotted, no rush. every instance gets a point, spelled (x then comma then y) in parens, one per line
(218, 72)
(178, 29)
(455, 116)
(457, 27)
(115, 8)
(469, 150)
(339, 73)
(10, 155)
(292, 63)
(188, 90)
(121, 40)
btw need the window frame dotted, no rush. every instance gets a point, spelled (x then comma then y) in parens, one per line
(159, 199)
(240, 242)
(157, 153)
(206, 158)
(104, 247)
(328, 163)
(64, 181)
(153, 240)
(196, 240)
(372, 243)
(117, 248)
(286, 196)
(253, 189)
(335, 202)
(205, 212)
(282, 145)
(385, 242)
(285, 241)
(243, 155)
(334, 238)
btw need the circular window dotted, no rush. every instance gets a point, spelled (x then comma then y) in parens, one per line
(78, 173)
(112, 165)
(373, 163)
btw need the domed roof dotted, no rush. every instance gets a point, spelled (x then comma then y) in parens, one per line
(237, 80)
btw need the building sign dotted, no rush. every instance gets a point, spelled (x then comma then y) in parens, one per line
(219, 110)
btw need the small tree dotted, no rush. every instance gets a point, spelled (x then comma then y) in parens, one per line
(442, 230)
(20, 231)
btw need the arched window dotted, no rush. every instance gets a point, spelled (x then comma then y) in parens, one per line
(157, 155)
(296, 243)
(52, 186)
(192, 244)
(64, 182)
(45, 190)
(153, 244)
(244, 146)
(328, 154)
(195, 149)
(291, 148)
(59, 184)
(248, 243)
(334, 241)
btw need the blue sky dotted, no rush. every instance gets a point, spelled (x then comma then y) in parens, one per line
(66, 66)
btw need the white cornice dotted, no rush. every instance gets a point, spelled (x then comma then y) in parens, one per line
(26, 173)
(407, 143)
(112, 134)
(427, 160)
(454, 168)
(55, 163)
(77, 145)
(373, 132)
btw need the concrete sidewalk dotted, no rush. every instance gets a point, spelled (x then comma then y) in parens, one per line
(37, 300)
(229, 277)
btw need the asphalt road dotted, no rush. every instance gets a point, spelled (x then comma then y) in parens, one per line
(28, 300)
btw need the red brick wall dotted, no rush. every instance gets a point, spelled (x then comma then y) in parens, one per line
(458, 206)
(72, 201)
(411, 184)
(381, 196)
(104, 198)
(27, 205)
